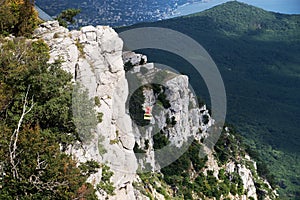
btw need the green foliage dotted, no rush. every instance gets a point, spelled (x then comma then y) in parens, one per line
(41, 170)
(193, 152)
(101, 148)
(163, 99)
(66, 17)
(160, 140)
(262, 168)
(80, 48)
(136, 109)
(159, 90)
(45, 171)
(205, 119)
(128, 66)
(255, 51)
(146, 144)
(105, 183)
(137, 149)
(83, 116)
(89, 167)
(24, 64)
(114, 141)
(97, 101)
(18, 17)
(177, 174)
(153, 179)
(100, 117)
(227, 146)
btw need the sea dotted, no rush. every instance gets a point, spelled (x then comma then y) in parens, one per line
(279, 6)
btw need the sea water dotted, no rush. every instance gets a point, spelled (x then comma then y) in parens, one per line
(280, 6)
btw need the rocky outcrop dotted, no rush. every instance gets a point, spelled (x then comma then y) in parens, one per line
(95, 58)
(181, 120)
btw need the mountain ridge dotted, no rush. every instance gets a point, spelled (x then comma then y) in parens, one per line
(89, 145)
(258, 60)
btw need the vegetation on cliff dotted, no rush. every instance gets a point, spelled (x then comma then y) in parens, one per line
(257, 54)
(36, 121)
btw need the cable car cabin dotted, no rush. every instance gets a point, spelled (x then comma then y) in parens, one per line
(148, 115)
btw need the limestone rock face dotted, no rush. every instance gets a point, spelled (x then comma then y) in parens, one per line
(190, 121)
(248, 182)
(179, 120)
(93, 56)
(95, 59)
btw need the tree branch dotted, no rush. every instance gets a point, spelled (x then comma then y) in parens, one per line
(14, 137)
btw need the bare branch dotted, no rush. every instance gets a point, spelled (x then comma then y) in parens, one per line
(15, 135)
(50, 186)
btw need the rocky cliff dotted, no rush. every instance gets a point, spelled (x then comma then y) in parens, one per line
(130, 145)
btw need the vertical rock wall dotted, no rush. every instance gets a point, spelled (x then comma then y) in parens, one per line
(93, 56)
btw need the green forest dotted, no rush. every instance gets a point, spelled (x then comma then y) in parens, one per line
(257, 53)
(36, 121)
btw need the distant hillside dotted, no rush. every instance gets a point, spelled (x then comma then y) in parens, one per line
(235, 18)
(257, 53)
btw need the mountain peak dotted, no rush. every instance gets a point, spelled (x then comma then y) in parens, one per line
(235, 17)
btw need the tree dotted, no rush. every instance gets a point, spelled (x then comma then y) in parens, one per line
(18, 17)
(35, 122)
(67, 16)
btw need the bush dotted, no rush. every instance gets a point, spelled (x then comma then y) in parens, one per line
(101, 148)
(97, 101)
(43, 171)
(67, 16)
(160, 140)
(100, 117)
(128, 66)
(136, 107)
(105, 183)
(18, 17)
(80, 48)
(146, 144)
(137, 149)
(205, 119)
(163, 99)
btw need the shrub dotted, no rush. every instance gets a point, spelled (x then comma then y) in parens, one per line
(101, 148)
(114, 141)
(146, 144)
(99, 117)
(160, 140)
(80, 48)
(97, 101)
(128, 66)
(205, 119)
(18, 17)
(163, 99)
(44, 172)
(137, 149)
(105, 183)
(67, 16)
(136, 109)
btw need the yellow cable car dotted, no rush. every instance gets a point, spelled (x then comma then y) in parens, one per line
(148, 115)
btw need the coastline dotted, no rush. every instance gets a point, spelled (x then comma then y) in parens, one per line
(278, 6)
